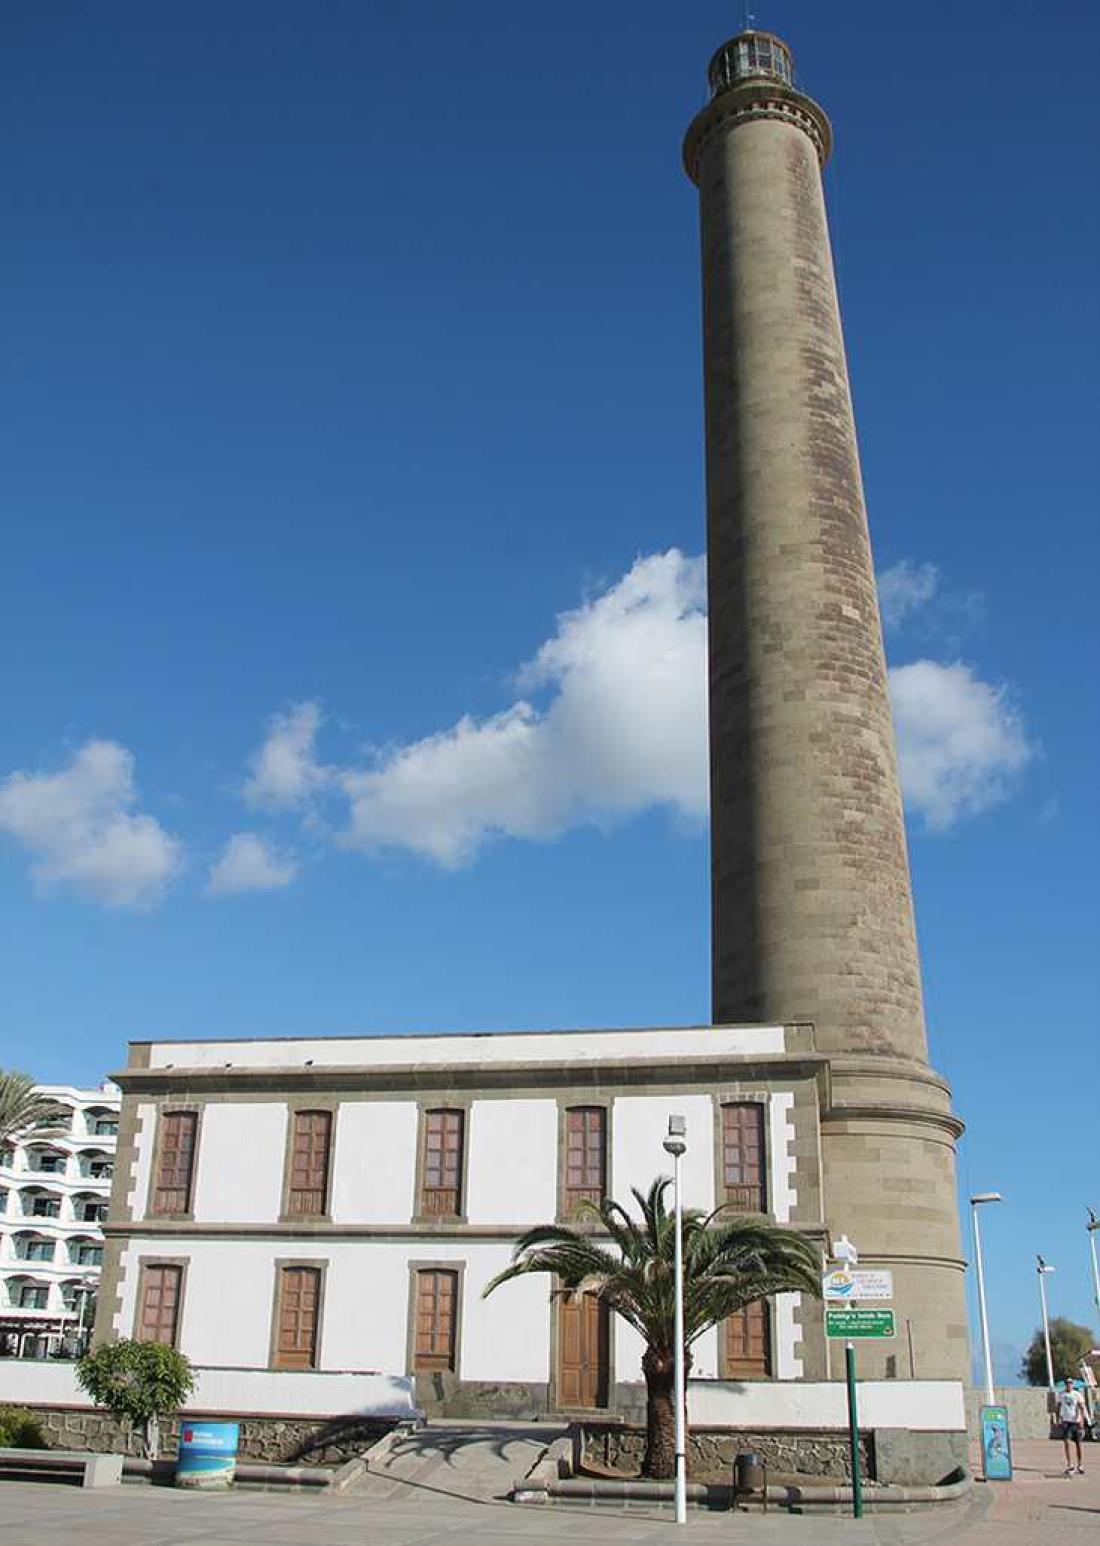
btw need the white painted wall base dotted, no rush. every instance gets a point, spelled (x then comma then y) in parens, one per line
(919, 1405)
(235, 1392)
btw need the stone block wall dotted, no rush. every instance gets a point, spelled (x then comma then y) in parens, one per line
(711, 1451)
(275, 1440)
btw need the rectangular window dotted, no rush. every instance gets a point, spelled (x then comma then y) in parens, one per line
(175, 1162)
(436, 1318)
(46, 1208)
(310, 1141)
(297, 1313)
(746, 1351)
(33, 1298)
(441, 1185)
(89, 1256)
(585, 1156)
(743, 1182)
(38, 1250)
(158, 1319)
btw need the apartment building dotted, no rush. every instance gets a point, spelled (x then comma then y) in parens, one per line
(55, 1185)
(340, 1205)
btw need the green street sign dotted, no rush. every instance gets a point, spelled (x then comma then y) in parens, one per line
(849, 1323)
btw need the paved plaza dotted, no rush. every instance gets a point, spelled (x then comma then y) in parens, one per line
(439, 1508)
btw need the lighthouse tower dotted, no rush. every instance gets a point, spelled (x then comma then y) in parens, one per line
(812, 913)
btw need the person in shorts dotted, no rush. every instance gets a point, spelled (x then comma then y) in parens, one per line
(1071, 1420)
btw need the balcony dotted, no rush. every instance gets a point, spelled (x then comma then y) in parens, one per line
(85, 1252)
(30, 1247)
(41, 1161)
(96, 1165)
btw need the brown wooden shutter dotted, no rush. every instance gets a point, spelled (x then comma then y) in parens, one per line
(743, 1157)
(585, 1155)
(436, 1317)
(441, 1192)
(297, 1311)
(746, 1338)
(310, 1141)
(160, 1303)
(175, 1162)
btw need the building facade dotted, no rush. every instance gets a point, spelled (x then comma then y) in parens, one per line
(55, 1185)
(340, 1205)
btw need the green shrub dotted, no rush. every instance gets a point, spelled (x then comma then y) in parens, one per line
(20, 1429)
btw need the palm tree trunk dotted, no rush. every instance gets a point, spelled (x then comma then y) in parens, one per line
(659, 1368)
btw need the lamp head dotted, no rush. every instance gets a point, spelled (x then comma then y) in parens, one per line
(985, 1197)
(676, 1144)
(1042, 1267)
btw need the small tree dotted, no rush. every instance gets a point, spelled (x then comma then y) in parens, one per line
(139, 1383)
(728, 1264)
(1068, 1345)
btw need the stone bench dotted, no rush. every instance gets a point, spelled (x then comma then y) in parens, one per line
(94, 1470)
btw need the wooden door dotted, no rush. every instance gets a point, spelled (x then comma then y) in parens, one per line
(584, 1352)
(436, 1315)
(299, 1303)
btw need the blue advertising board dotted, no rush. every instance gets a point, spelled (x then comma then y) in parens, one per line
(996, 1445)
(207, 1454)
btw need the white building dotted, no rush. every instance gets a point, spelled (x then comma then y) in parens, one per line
(339, 1205)
(55, 1183)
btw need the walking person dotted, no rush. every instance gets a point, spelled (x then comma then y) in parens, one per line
(1071, 1417)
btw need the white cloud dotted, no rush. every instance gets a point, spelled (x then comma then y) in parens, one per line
(613, 721)
(960, 741)
(903, 588)
(284, 772)
(250, 863)
(625, 729)
(82, 833)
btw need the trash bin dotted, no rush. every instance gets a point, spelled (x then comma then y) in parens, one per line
(207, 1454)
(749, 1474)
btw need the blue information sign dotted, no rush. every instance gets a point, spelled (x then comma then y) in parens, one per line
(996, 1446)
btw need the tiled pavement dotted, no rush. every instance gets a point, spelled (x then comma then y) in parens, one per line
(1040, 1508)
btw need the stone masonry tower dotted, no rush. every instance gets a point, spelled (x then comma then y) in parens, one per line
(812, 907)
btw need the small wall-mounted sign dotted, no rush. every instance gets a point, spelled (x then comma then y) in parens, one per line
(854, 1284)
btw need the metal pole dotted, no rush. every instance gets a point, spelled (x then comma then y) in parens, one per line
(990, 1398)
(1042, 1273)
(681, 1436)
(1092, 1226)
(853, 1430)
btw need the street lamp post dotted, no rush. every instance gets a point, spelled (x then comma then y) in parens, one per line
(975, 1203)
(1092, 1226)
(676, 1146)
(1041, 1270)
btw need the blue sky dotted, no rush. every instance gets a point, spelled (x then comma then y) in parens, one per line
(353, 502)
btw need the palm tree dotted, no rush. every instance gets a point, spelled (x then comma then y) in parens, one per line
(21, 1106)
(727, 1265)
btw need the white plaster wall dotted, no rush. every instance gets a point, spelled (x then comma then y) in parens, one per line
(559, 1047)
(512, 1175)
(780, 1141)
(788, 1337)
(374, 1162)
(638, 1127)
(138, 1197)
(233, 1391)
(919, 1404)
(705, 1353)
(229, 1300)
(239, 1175)
(627, 1348)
